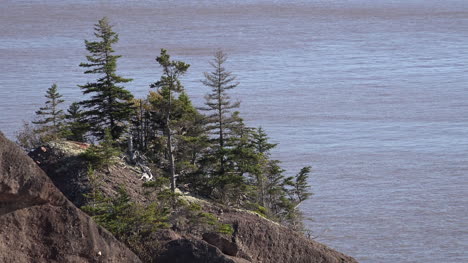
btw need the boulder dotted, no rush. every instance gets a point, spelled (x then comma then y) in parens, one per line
(194, 251)
(226, 246)
(38, 224)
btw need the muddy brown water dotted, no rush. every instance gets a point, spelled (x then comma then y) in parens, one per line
(372, 94)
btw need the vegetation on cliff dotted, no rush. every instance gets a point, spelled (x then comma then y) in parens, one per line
(215, 156)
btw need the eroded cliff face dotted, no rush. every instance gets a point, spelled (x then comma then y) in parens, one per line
(38, 224)
(255, 239)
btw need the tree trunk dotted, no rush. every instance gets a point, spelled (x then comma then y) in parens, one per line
(171, 159)
(169, 146)
(221, 132)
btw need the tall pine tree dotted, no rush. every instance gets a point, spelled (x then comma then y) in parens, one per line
(109, 105)
(167, 86)
(219, 105)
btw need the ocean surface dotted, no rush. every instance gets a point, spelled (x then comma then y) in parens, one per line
(372, 93)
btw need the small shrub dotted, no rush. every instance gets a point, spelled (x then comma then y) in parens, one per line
(208, 218)
(225, 229)
(158, 182)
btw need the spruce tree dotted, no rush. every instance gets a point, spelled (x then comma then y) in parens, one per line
(219, 105)
(109, 106)
(168, 85)
(50, 116)
(268, 171)
(189, 140)
(76, 127)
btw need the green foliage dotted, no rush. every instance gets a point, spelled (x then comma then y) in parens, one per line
(109, 106)
(157, 182)
(76, 126)
(273, 191)
(141, 128)
(260, 141)
(231, 154)
(169, 84)
(125, 219)
(297, 190)
(216, 155)
(200, 221)
(172, 70)
(52, 116)
(104, 155)
(188, 136)
(190, 133)
(194, 207)
(48, 124)
(254, 207)
(213, 221)
(218, 105)
(265, 189)
(49, 119)
(208, 218)
(300, 186)
(226, 229)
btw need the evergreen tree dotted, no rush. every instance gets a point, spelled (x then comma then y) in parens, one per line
(190, 135)
(167, 86)
(50, 116)
(266, 169)
(261, 142)
(109, 106)
(300, 186)
(76, 127)
(273, 192)
(189, 140)
(104, 155)
(278, 196)
(219, 104)
(297, 189)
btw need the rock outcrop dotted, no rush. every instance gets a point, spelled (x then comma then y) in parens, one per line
(38, 224)
(260, 240)
(255, 239)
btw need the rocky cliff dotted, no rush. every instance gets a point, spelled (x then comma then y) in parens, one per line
(255, 239)
(38, 224)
